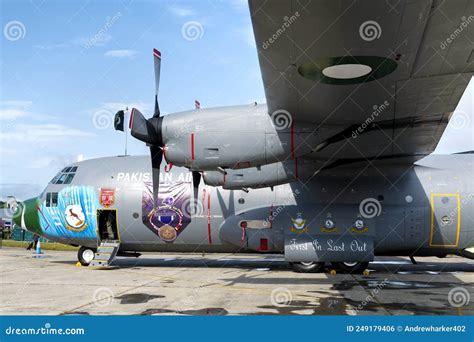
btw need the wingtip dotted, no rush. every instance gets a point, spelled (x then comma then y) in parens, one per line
(157, 53)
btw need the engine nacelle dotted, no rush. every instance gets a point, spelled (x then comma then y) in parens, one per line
(234, 138)
(261, 177)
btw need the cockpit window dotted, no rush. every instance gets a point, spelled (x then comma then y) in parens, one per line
(65, 176)
(62, 178)
(52, 199)
(69, 178)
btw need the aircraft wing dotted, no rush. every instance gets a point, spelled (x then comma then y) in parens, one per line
(378, 78)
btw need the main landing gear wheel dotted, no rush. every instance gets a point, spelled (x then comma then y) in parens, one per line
(351, 267)
(85, 255)
(307, 267)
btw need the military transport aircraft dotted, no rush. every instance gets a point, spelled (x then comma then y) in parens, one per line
(329, 170)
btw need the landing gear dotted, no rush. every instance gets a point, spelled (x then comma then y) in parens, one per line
(307, 267)
(351, 267)
(85, 255)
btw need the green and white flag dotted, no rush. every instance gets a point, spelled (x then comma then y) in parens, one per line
(118, 122)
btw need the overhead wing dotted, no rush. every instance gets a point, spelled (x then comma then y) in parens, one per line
(378, 78)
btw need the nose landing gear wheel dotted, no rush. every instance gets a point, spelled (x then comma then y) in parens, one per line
(85, 255)
(351, 267)
(307, 267)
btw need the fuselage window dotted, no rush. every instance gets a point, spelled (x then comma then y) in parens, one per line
(48, 199)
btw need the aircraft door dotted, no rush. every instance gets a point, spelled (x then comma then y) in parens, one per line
(445, 220)
(107, 225)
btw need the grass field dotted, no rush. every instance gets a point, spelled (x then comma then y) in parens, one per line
(44, 245)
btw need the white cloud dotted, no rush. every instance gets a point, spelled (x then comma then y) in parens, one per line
(12, 114)
(99, 39)
(50, 46)
(16, 103)
(121, 53)
(20, 191)
(14, 109)
(116, 106)
(181, 11)
(41, 133)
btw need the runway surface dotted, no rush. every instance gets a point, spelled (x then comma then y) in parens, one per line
(221, 284)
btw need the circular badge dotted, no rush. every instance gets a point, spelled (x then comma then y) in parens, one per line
(75, 218)
(167, 233)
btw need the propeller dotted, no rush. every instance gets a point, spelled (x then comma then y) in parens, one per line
(149, 131)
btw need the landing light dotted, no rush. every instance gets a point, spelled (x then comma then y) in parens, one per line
(346, 71)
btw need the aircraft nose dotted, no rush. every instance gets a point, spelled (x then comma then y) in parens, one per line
(26, 215)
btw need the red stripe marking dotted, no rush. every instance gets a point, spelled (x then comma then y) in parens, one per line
(292, 138)
(296, 168)
(209, 237)
(192, 146)
(130, 125)
(157, 53)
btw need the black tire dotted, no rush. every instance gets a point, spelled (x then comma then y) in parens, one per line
(307, 267)
(351, 267)
(83, 255)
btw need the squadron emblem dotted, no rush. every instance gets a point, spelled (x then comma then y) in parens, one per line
(75, 218)
(299, 224)
(107, 197)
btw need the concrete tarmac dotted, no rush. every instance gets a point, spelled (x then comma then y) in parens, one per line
(221, 284)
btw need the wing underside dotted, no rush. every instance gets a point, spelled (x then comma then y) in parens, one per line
(378, 78)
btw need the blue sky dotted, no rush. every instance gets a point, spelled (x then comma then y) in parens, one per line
(75, 63)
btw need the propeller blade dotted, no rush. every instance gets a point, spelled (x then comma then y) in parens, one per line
(157, 63)
(156, 157)
(196, 181)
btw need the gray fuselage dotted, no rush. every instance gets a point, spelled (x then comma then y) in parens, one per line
(422, 209)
